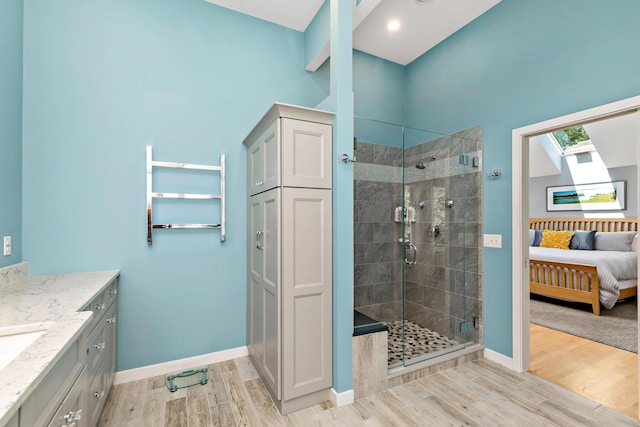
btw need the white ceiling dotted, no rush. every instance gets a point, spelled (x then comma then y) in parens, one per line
(421, 26)
(295, 14)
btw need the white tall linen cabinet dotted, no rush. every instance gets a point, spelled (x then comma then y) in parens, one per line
(289, 227)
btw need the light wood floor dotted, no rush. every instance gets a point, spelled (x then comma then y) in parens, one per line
(479, 393)
(602, 373)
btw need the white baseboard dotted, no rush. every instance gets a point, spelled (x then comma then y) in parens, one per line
(499, 358)
(176, 365)
(342, 399)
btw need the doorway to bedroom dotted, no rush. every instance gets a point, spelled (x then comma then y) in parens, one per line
(562, 331)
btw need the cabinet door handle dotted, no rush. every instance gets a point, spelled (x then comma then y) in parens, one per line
(100, 306)
(113, 292)
(111, 319)
(259, 240)
(100, 346)
(98, 394)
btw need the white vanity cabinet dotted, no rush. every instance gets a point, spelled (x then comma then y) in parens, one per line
(75, 390)
(289, 253)
(101, 347)
(47, 382)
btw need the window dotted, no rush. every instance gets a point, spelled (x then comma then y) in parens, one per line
(572, 140)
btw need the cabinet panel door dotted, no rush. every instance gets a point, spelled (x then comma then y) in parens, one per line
(306, 291)
(270, 140)
(271, 289)
(255, 167)
(306, 154)
(255, 264)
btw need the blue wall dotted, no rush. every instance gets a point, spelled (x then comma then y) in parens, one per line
(11, 128)
(520, 63)
(378, 87)
(101, 81)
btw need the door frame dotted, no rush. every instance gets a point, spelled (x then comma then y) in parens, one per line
(520, 213)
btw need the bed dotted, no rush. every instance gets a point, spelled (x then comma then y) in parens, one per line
(598, 277)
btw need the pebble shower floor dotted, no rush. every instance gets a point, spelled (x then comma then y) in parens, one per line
(418, 341)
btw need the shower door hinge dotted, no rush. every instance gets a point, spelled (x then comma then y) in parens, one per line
(476, 322)
(463, 159)
(467, 324)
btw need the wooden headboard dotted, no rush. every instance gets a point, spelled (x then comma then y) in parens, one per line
(588, 224)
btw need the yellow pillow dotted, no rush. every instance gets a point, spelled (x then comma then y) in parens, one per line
(556, 239)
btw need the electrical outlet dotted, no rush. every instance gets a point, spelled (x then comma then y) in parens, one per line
(493, 240)
(7, 245)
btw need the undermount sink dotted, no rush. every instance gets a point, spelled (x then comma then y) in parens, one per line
(15, 339)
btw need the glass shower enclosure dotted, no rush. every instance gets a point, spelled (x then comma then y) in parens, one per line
(417, 238)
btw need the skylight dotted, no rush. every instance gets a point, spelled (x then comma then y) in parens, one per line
(573, 140)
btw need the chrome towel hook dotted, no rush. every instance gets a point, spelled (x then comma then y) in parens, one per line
(496, 172)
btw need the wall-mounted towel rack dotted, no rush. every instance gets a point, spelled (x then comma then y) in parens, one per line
(159, 195)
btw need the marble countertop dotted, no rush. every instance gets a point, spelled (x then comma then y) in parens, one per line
(50, 303)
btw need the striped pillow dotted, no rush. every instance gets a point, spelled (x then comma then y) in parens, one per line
(616, 241)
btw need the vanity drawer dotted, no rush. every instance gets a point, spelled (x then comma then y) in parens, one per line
(45, 399)
(100, 342)
(72, 411)
(101, 303)
(98, 394)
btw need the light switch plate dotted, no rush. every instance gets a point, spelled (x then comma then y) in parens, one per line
(493, 240)
(7, 245)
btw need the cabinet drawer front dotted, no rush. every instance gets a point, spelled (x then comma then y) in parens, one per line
(46, 398)
(101, 303)
(100, 343)
(97, 394)
(73, 407)
(110, 293)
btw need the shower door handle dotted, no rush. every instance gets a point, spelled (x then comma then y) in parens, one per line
(415, 254)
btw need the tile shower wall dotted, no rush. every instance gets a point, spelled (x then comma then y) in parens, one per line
(377, 251)
(444, 286)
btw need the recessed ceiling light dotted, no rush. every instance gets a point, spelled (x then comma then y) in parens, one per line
(393, 25)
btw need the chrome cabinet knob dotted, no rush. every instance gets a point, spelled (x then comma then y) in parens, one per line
(98, 394)
(113, 292)
(71, 418)
(111, 319)
(100, 346)
(100, 306)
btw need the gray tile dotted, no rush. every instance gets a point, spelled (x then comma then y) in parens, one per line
(363, 295)
(364, 152)
(414, 293)
(365, 274)
(384, 293)
(387, 232)
(386, 155)
(362, 232)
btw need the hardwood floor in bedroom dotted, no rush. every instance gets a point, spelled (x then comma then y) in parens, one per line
(605, 374)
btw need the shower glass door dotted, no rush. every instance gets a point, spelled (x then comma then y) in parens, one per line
(417, 228)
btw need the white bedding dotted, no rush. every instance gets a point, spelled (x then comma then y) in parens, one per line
(613, 267)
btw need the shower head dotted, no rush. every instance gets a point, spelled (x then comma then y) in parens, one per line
(420, 164)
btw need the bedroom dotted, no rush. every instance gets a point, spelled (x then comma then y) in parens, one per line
(603, 153)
